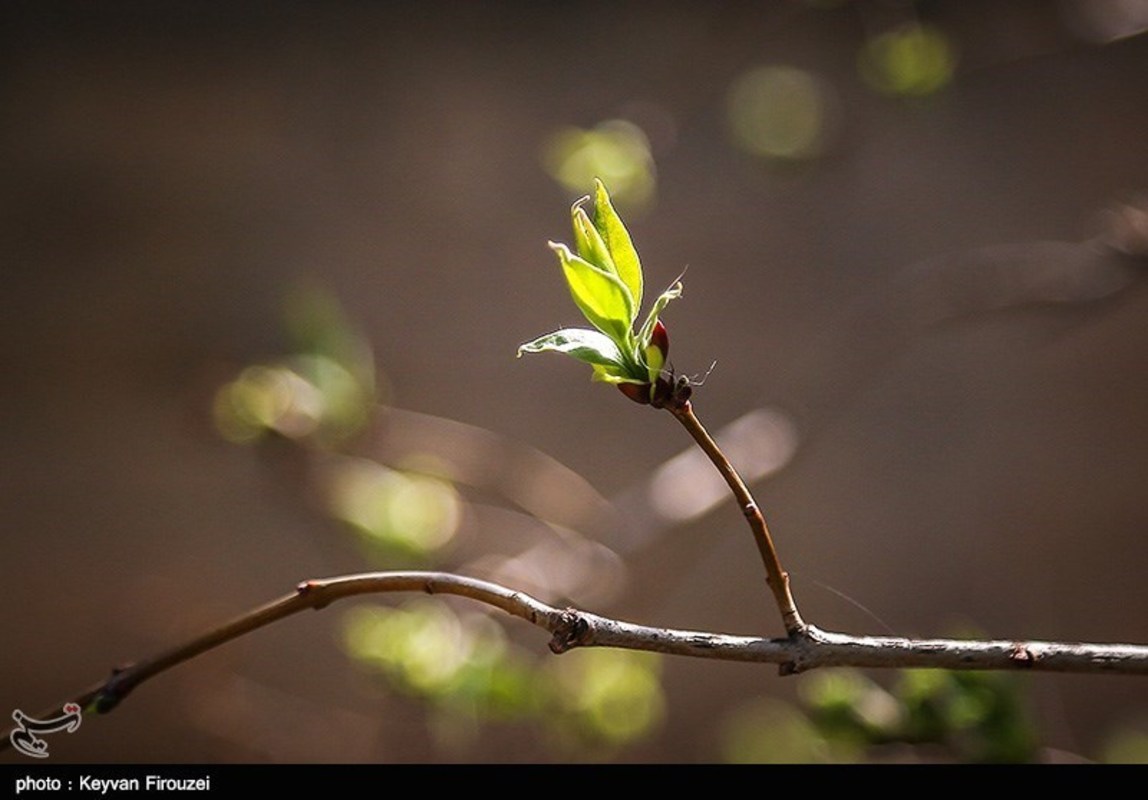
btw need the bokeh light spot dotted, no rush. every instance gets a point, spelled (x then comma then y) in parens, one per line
(414, 513)
(616, 151)
(758, 443)
(266, 399)
(770, 731)
(779, 112)
(422, 646)
(606, 696)
(911, 61)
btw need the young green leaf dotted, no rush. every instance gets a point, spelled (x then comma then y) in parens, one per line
(619, 375)
(605, 281)
(603, 299)
(673, 293)
(618, 242)
(656, 351)
(585, 345)
(588, 242)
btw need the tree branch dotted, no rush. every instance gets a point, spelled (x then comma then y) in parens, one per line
(807, 649)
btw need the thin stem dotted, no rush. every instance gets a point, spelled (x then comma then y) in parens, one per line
(317, 594)
(776, 577)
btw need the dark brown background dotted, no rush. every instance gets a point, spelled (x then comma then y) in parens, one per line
(168, 170)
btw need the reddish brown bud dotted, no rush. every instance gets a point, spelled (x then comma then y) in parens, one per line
(638, 392)
(660, 339)
(662, 393)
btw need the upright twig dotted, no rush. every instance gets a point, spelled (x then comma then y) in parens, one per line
(776, 577)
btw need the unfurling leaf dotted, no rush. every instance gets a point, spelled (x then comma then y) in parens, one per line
(585, 345)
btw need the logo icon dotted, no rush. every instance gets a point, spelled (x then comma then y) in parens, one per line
(24, 738)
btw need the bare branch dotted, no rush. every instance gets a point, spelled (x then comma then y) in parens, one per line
(814, 648)
(807, 649)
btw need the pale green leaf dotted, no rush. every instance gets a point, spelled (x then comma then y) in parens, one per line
(583, 344)
(655, 360)
(673, 293)
(617, 239)
(608, 374)
(602, 298)
(589, 243)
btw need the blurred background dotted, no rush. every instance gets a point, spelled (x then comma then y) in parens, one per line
(266, 266)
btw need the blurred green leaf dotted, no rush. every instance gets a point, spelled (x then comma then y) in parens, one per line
(1127, 746)
(847, 705)
(771, 731)
(980, 715)
(961, 716)
(324, 392)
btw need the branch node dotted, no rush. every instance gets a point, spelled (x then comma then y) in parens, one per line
(114, 690)
(1022, 657)
(570, 632)
(313, 587)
